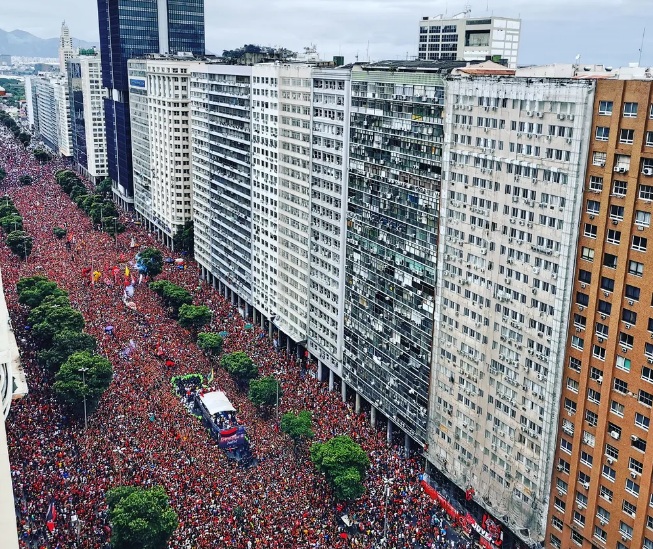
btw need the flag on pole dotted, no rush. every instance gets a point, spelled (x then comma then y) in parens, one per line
(211, 376)
(51, 516)
(126, 271)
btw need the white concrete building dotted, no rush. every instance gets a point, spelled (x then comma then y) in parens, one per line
(515, 155)
(329, 176)
(464, 38)
(221, 119)
(87, 113)
(162, 166)
(51, 112)
(294, 205)
(66, 51)
(62, 111)
(265, 168)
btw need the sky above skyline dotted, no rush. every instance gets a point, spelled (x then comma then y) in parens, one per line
(601, 31)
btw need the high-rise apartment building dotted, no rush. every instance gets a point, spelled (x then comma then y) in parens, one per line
(129, 29)
(50, 110)
(294, 199)
(161, 144)
(66, 51)
(515, 155)
(89, 144)
(329, 175)
(470, 39)
(62, 110)
(396, 141)
(265, 178)
(601, 492)
(221, 121)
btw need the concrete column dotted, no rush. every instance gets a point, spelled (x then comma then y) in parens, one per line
(389, 433)
(320, 371)
(234, 298)
(288, 344)
(373, 416)
(358, 404)
(262, 319)
(331, 380)
(270, 335)
(406, 445)
(343, 390)
(248, 310)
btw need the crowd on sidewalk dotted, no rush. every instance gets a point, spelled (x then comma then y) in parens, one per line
(140, 434)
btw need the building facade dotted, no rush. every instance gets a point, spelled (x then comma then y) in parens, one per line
(470, 39)
(66, 51)
(515, 153)
(221, 121)
(44, 112)
(160, 123)
(162, 26)
(265, 182)
(86, 98)
(396, 140)
(601, 493)
(328, 183)
(64, 119)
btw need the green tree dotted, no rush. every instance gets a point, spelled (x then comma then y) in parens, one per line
(71, 384)
(240, 366)
(20, 243)
(28, 282)
(193, 317)
(41, 311)
(298, 426)
(57, 320)
(57, 231)
(41, 155)
(65, 344)
(150, 260)
(3, 174)
(172, 295)
(210, 343)
(7, 207)
(184, 239)
(25, 179)
(32, 295)
(104, 187)
(264, 392)
(12, 222)
(24, 138)
(344, 463)
(140, 518)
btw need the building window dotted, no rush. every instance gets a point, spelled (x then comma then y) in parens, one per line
(599, 158)
(646, 192)
(626, 136)
(600, 534)
(626, 340)
(614, 237)
(566, 446)
(577, 343)
(593, 396)
(619, 188)
(617, 408)
(649, 139)
(591, 418)
(577, 537)
(642, 421)
(616, 212)
(606, 493)
(639, 243)
(630, 110)
(605, 108)
(638, 443)
(623, 363)
(574, 364)
(556, 523)
(593, 207)
(590, 230)
(645, 398)
(584, 276)
(587, 253)
(632, 292)
(628, 316)
(586, 458)
(605, 307)
(620, 385)
(610, 261)
(632, 487)
(579, 518)
(602, 133)
(596, 183)
(628, 508)
(635, 268)
(635, 465)
(598, 352)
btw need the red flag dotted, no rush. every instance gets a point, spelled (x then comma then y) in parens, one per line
(51, 516)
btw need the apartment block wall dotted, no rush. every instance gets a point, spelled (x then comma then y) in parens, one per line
(601, 494)
(515, 155)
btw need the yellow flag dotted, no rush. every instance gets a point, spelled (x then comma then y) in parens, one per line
(126, 271)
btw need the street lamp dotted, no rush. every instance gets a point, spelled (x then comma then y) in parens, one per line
(84, 370)
(277, 373)
(387, 483)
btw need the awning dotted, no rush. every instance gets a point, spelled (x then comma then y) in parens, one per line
(216, 402)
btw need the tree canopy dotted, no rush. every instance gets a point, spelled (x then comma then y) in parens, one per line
(298, 426)
(20, 243)
(240, 366)
(193, 317)
(264, 391)
(172, 295)
(344, 463)
(33, 290)
(150, 262)
(57, 319)
(140, 518)
(25, 179)
(12, 222)
(210, 342)
(184, 239)
(65, 344)
(71, 384)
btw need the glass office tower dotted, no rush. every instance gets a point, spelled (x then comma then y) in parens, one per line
(132, 28)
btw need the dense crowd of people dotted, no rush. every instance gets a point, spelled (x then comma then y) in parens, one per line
(140, 434)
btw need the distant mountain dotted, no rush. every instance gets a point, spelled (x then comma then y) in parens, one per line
(22, 43)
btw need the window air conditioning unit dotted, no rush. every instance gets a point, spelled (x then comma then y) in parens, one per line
(586, 485)
(615, 435)
(647, 171)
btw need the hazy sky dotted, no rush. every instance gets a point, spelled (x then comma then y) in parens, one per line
(602, 31)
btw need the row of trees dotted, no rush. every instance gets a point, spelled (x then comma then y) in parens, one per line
(7, 121)
(81, 375)
(18, 241)
(97, 204)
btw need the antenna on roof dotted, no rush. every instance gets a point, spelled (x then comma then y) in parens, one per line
(641, 47)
